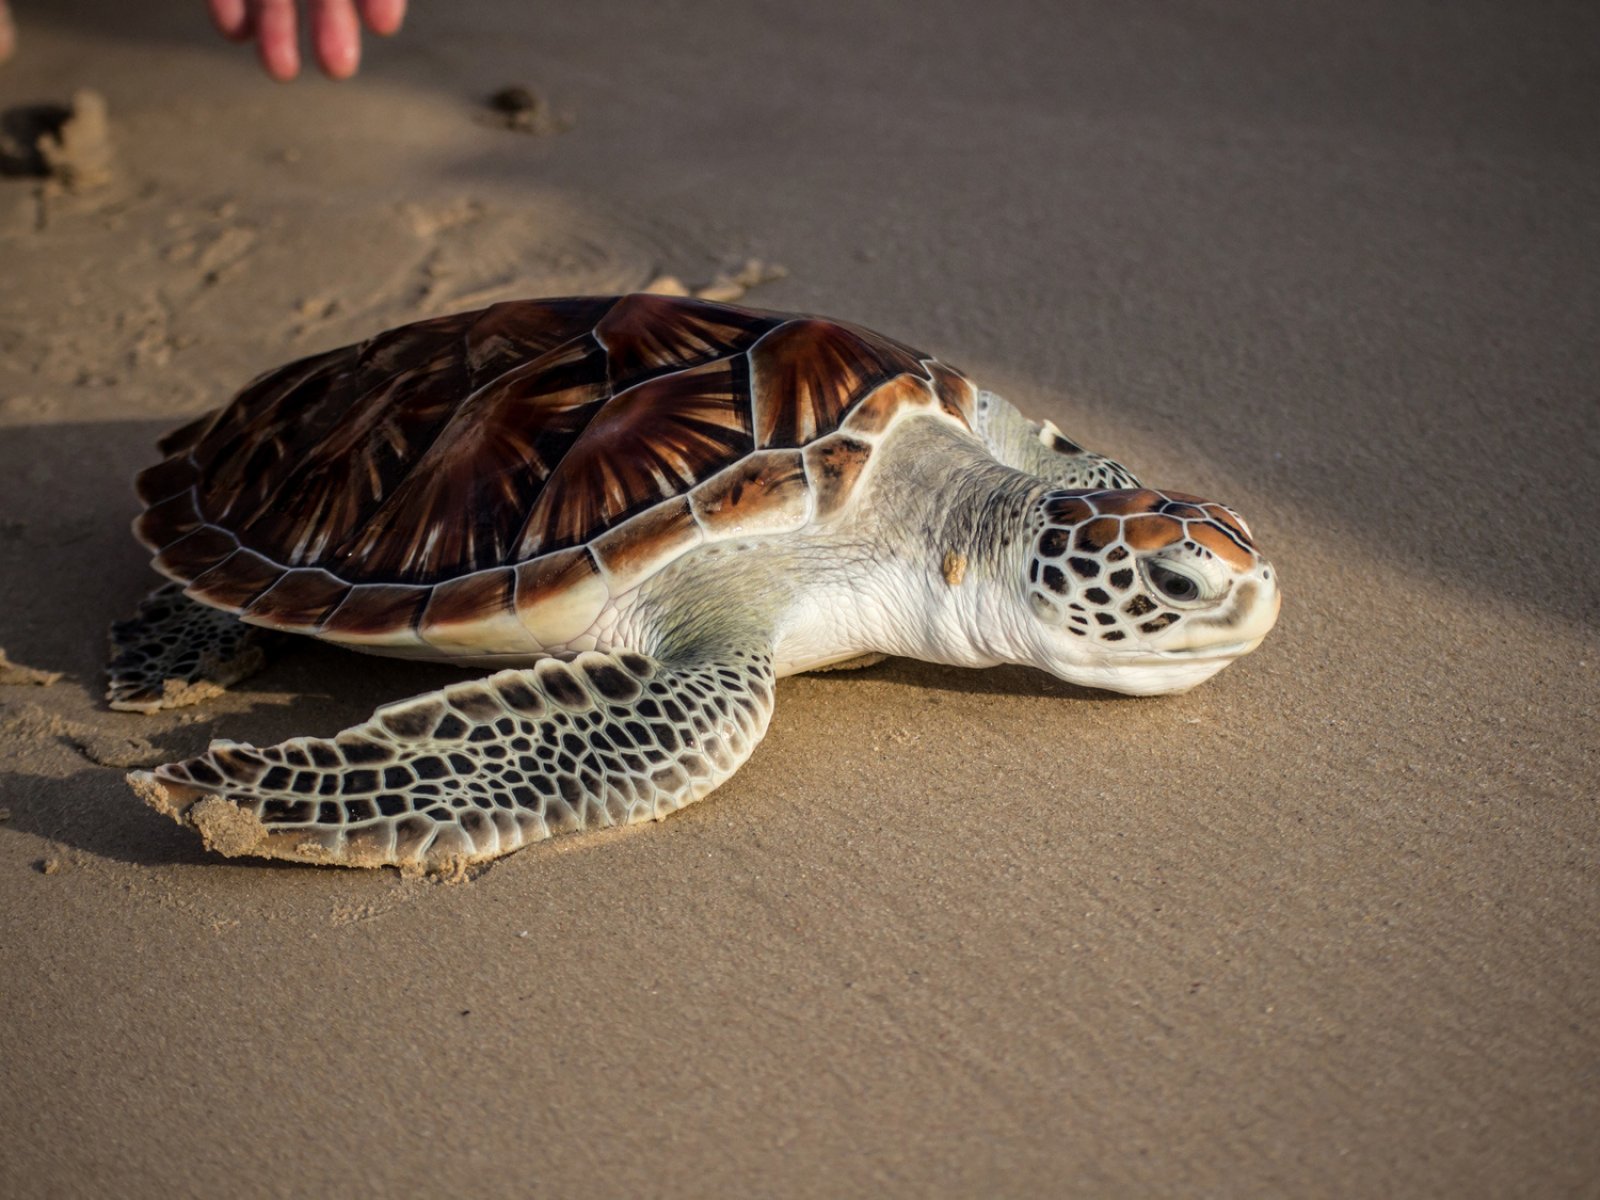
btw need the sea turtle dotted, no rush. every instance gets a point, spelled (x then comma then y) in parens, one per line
(638, 512)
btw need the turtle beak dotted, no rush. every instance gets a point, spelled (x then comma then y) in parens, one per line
(1239, 624)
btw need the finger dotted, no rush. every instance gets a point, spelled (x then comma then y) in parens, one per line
(231, 17)
(8, 32)
(383, 16)
(278, 38)
(336, 37)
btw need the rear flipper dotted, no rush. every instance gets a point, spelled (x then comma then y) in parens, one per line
(175, 651)
(480, 769)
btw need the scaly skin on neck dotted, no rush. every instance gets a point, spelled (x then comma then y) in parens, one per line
(928, 564)
(948, 529)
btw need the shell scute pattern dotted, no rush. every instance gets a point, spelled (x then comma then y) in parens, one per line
(645, 336)
(488, 481)
(298, 601)
(766, 492)
(957, 396)
(810, 373)
(647, 444)
(377, 614)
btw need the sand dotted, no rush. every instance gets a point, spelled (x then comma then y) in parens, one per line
(1326, 926)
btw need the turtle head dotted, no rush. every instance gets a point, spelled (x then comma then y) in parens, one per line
(1142, 591)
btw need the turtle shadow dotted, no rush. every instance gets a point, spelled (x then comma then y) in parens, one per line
(23, 127)
(1010, 681)
(94, 812)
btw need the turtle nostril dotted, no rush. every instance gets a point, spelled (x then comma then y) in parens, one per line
(1174, 585)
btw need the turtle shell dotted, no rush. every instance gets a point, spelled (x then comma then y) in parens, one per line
(485, 483)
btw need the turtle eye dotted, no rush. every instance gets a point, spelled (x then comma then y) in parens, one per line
(1174, 585)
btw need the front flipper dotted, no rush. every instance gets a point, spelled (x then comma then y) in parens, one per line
(175, 651)
(479, 769)
(1039, 448)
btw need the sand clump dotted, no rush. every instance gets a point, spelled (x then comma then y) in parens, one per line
(16, 675)
(79, 155)
(30, 723)
(68, 145)
(725, 287)
(522, 110)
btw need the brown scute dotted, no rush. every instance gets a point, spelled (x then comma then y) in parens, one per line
(245, 448)
(560, 595)
(641, 546)
(646, 335)
(322, 479)
(956, 394)
(165, 480)
(1220, 544)
(504, 336)
(235, 581)
(550, 575)
(393, 351)
(377, 609)
(1222, 516)
(479, 597)
(880, 407)
(834, 466)
(766, 493)
(1128, 503)
(166, 522)
(462, 504)
(192, 556)
(1067, 510)
(1151, 532)
(808, 373)
(1096, 535)
(179, 440)
(647, 444)
(298, 601)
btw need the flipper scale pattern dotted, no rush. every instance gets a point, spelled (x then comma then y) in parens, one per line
(478, 769)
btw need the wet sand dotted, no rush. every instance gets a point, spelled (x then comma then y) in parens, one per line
(1326, 926)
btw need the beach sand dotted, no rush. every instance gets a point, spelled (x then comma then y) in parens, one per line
(1326, 926)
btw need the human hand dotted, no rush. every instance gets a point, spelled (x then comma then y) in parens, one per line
(8, 32)
(335, 31)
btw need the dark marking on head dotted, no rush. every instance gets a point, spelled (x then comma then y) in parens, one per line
(1054, 542)
(1067, 510)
